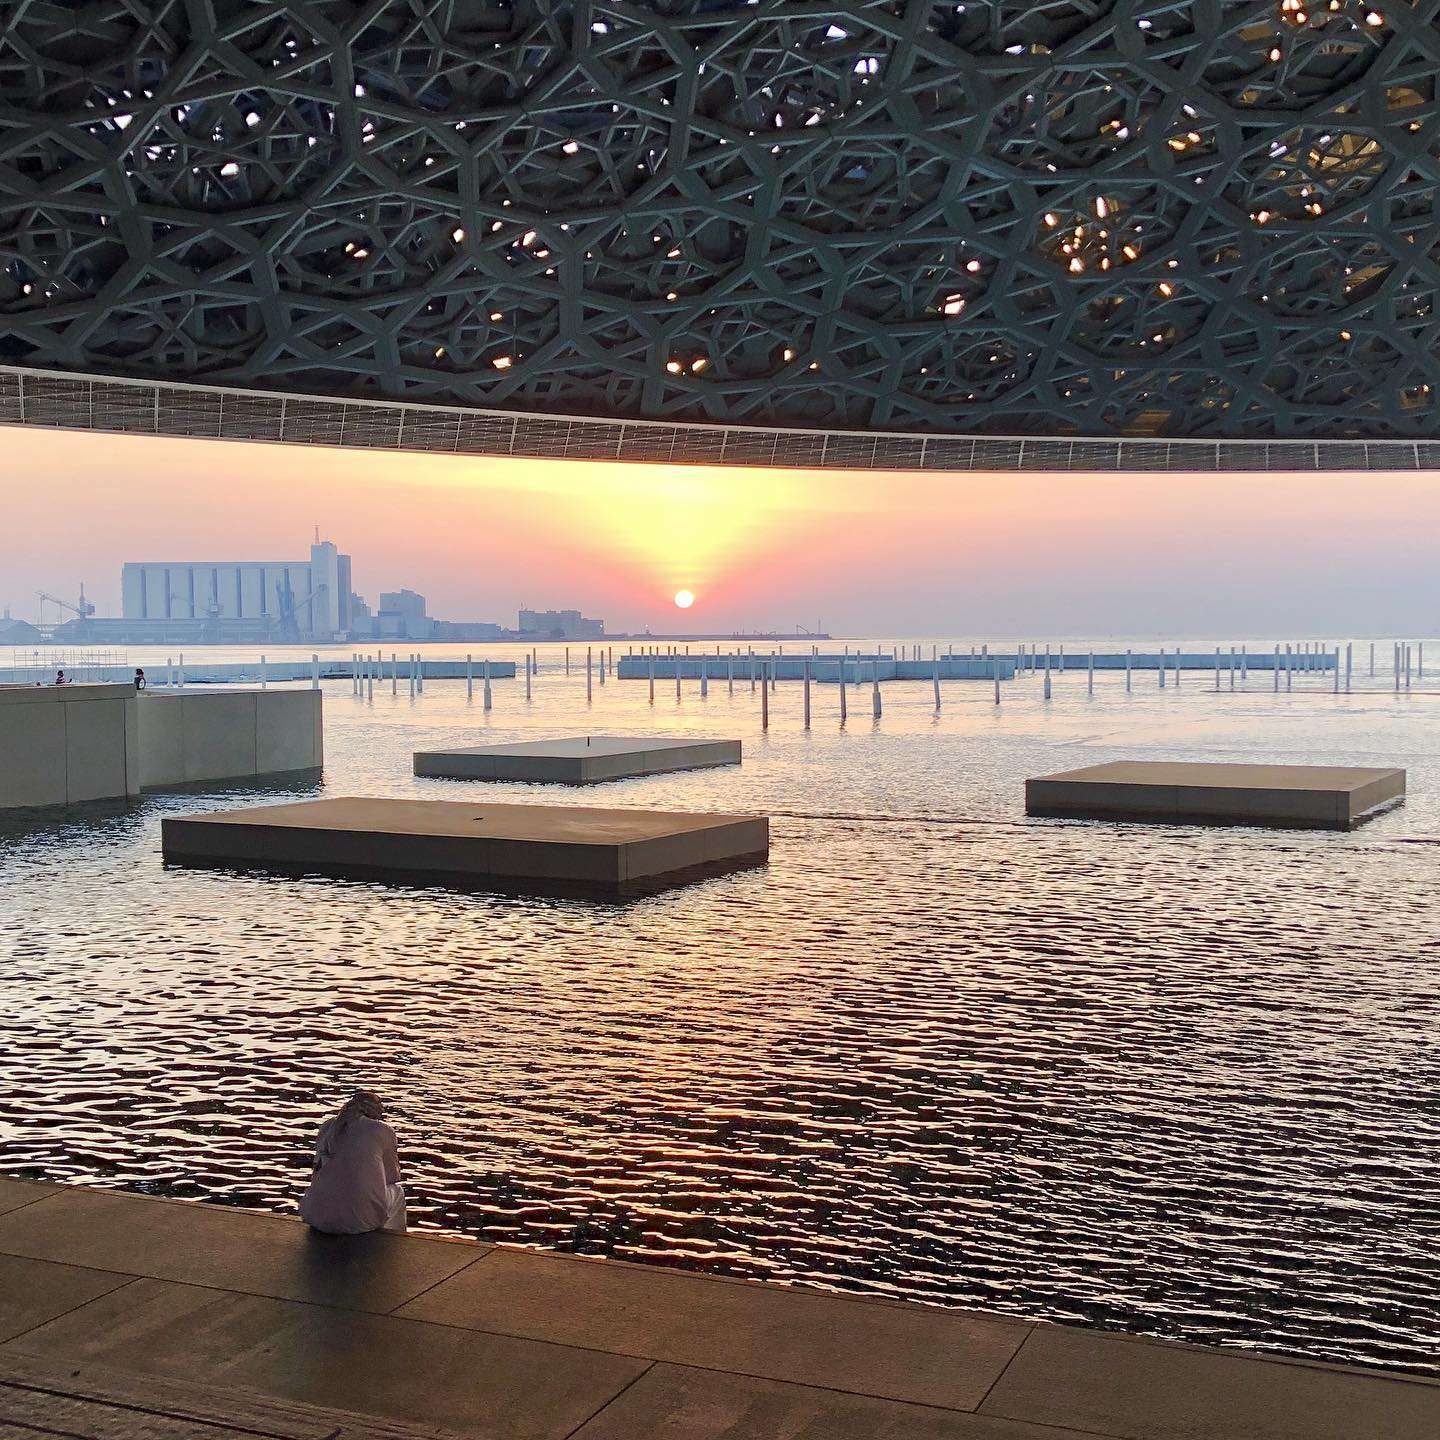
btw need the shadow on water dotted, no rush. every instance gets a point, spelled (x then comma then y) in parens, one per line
(87, 822)
(286, 785)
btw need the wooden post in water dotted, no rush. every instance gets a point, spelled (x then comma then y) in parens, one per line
(1127, 672)
(1232, 667)
(410, 673)
(262, 673)
(1372, 659)
(843, 707)
(676, 660)
(1275, 666)
(567, 659)
(1162, 667)
(764, 701)
(704, 675)
(1090, 676)
(394, 674)
(751, 649)
(807, 694)
(314, 672)
(369, 677)
(995, 670)
(488, 698)
(1337, 669)
(529, 672)
(937, 685)
(1289, 668)
(1244, 663)
(730, 674)
(1217, 669)
(1349, 662)
(875, 688)
(652, 678)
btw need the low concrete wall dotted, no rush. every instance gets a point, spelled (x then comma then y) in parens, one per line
(61, 744)
(188, 736)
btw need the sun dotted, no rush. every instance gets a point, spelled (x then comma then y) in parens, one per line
(684, 599)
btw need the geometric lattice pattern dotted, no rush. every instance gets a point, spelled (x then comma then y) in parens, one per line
(1059, 217)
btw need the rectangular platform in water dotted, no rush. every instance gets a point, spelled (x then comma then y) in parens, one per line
(1323, 797)
(458, 841)
(577, 760)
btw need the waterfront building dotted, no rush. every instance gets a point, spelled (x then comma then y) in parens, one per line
(559, 625)
(284, 599)
(18, 632)
(402, 616)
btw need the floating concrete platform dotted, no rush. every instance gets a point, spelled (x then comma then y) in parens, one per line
(463, 841)
(577, 760)
(1319, 797)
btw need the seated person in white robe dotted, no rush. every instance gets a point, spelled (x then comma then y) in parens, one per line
(356, 1185)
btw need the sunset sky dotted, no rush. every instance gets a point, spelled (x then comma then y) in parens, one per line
(859, 553)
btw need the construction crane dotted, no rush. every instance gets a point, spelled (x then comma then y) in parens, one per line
(82, 609)
(287, 626)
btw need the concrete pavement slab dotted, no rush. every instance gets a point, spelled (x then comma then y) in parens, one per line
(486, 1385)
(235, 1249)
(903, 1352)
(678, 1403)
(1147, 1390)
(34, 1291)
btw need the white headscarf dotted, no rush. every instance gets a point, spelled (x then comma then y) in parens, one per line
(363, 1104)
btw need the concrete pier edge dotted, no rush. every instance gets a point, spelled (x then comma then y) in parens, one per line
(149, 1302)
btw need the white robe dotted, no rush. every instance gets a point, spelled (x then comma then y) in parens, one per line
(357, 1188)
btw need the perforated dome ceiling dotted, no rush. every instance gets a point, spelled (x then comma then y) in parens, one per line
(1197, 219)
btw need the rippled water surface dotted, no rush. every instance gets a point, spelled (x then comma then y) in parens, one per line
(1175, 1081)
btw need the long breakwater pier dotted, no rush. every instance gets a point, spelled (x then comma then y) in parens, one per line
(907, 663)
(820, 668)
(356, 668)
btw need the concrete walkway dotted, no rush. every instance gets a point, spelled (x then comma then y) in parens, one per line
(123, 1316)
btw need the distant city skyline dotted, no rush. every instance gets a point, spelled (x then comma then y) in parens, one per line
(852, 552)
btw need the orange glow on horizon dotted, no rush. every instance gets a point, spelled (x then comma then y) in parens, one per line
(852, 552)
